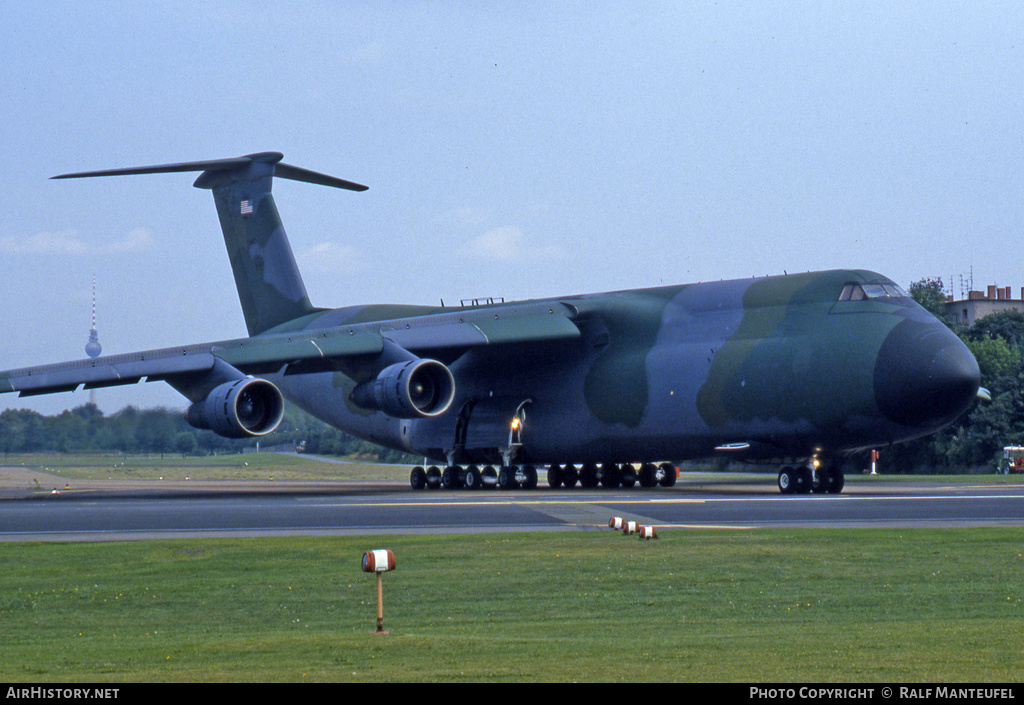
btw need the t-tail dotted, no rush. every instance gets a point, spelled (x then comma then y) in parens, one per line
(269, 284)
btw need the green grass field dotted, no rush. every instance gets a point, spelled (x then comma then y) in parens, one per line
(762, 606)
(248, 466)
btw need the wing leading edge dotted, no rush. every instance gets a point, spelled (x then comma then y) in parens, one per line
(308, 350)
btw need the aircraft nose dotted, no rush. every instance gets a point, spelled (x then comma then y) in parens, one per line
(924, 375)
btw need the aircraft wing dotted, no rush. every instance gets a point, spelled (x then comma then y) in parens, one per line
(302, 351)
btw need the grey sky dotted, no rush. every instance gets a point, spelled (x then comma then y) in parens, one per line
(512, 149)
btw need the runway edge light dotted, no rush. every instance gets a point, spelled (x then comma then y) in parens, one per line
(379, 562)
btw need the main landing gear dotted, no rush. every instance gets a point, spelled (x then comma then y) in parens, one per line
(819, 479)
(514, 477)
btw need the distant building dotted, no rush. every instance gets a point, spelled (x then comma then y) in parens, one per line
(979, 304)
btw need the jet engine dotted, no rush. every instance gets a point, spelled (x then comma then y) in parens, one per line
(239, 409)
(408, 390)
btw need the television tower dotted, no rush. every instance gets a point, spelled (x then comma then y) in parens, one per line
(93, 347)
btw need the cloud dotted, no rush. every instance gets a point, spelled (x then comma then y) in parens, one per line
(328, 257)
(508, 244)
(136, 241)
(68, 243)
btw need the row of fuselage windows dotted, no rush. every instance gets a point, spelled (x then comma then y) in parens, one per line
(861, 292)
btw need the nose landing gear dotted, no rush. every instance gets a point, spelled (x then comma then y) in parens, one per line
(816, 477)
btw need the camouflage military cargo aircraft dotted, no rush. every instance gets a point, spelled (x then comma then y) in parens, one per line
(798, 370)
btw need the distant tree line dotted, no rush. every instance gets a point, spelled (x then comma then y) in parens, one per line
(162, 431)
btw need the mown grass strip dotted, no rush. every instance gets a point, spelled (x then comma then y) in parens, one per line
(765, 606)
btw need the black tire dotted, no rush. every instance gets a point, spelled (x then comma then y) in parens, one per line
(804, 480)
(433, 478)
(668, 475)
(490, 477)
(507, 478)
(529, 477)
(787, 480)
(837, 482)
(611, 478)
(554, 476)
(474, 479)
(418, 478)
(648, 475)
(450, 478)
(570, 476)
(628, 476)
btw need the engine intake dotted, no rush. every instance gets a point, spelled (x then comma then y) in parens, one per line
(239, 409)
(408, 390)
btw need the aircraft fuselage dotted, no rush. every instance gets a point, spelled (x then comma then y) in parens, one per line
(783, 365)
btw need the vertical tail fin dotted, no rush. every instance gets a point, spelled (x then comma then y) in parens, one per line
(269, 284)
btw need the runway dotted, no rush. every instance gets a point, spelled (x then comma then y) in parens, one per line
(258, 510)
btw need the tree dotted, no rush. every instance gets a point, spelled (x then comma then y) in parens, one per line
(997, 360)
(185, 443)
(1008, 325)
(21, 430)
(931, 294)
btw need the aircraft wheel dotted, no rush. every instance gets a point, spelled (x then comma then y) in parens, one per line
(628, 476)
(450, 478)
(667, 475)
(648, 475)
(610, 476)
(554, 476)
(830, 480)
(804, 480)
(490, 477)
(474, 479)
(418, 478)
(787, 480)
(836, 482)
(433, 477)
(569, 476)
(507, 478)
(529, 477)
(588, 476)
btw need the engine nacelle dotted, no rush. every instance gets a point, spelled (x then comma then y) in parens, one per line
(239, 409)
(408, 390)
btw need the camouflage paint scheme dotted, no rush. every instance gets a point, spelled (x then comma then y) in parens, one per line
(777, 368)
(676, 372)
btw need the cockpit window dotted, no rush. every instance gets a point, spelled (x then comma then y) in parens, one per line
(859, 292)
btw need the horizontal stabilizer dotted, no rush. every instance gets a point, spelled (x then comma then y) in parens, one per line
(281, 171)
(267, 277)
